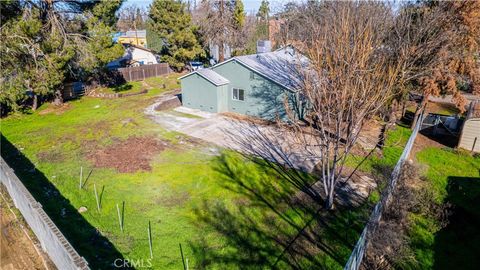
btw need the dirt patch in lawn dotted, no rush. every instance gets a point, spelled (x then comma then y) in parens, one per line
(56, 109)
(173, 200)
(54, 156)
(131, 155)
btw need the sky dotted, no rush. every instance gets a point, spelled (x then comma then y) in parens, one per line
(249, 5)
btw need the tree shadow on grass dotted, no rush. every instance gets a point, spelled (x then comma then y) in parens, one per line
(99, 252)
(276, 221)
(457, 245)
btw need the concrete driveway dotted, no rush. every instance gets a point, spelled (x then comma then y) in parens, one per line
(269, 142)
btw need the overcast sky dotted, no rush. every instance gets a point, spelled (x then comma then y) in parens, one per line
(250, 5)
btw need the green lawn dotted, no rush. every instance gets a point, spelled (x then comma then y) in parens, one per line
(226, 211)
(453, 176)
(455, 179)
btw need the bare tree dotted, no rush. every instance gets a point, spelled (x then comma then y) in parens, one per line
(350, 77)
(222, 23)
(131, 17)
(440, 42)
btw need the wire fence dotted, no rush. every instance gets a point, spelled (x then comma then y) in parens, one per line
(358, 252)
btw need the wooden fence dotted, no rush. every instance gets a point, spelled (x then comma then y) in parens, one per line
(142, 72)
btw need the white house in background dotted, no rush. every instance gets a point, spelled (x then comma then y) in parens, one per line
(135, 56)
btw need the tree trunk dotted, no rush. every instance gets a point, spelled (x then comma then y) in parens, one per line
(404, 108)
(221, 55)
(392, 115)
(221, 44)
(419, 110)
(58, 98)
(329, 202)
(35, 102)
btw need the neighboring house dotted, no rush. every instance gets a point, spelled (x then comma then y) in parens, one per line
(470, 135)
(255, 85)
(135, 56)
(133, 37)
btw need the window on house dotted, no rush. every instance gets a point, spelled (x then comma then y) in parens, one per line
(238, 94)
(252, 75)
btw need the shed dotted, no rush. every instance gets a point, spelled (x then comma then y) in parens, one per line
(208, 91)
(470, 135)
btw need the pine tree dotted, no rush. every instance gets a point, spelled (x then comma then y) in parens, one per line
(45, 43)
(262, 15)
(238, 14)
(171, 21)
(263, 10)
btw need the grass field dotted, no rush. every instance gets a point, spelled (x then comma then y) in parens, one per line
(226, 211)
(455, 179)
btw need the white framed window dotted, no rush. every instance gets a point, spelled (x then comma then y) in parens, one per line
(238, 94)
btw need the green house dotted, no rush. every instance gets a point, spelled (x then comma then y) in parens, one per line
(255, 85)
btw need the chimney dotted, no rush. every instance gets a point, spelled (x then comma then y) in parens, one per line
(264, 46)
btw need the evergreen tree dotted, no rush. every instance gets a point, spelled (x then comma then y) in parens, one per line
(263, 10)
(139, 23)
(171, 21)
(45, 43)
(262, 15)
(154, 42)
(238, 14)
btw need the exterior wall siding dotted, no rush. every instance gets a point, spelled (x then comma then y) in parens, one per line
(198, 93)
(471, 135)
(143, 56)
(222, 98)
(263, 98)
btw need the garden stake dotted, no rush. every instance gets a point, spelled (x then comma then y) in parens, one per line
(123, 214)
(81, 176)
(119, 218)
(181, 253)
(96, 196)
(150, 239)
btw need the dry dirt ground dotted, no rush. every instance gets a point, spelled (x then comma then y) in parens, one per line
(18, 251)
(127, 156)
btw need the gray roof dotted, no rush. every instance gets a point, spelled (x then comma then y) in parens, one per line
(209, 75)
(280, 66)
(133, 33)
